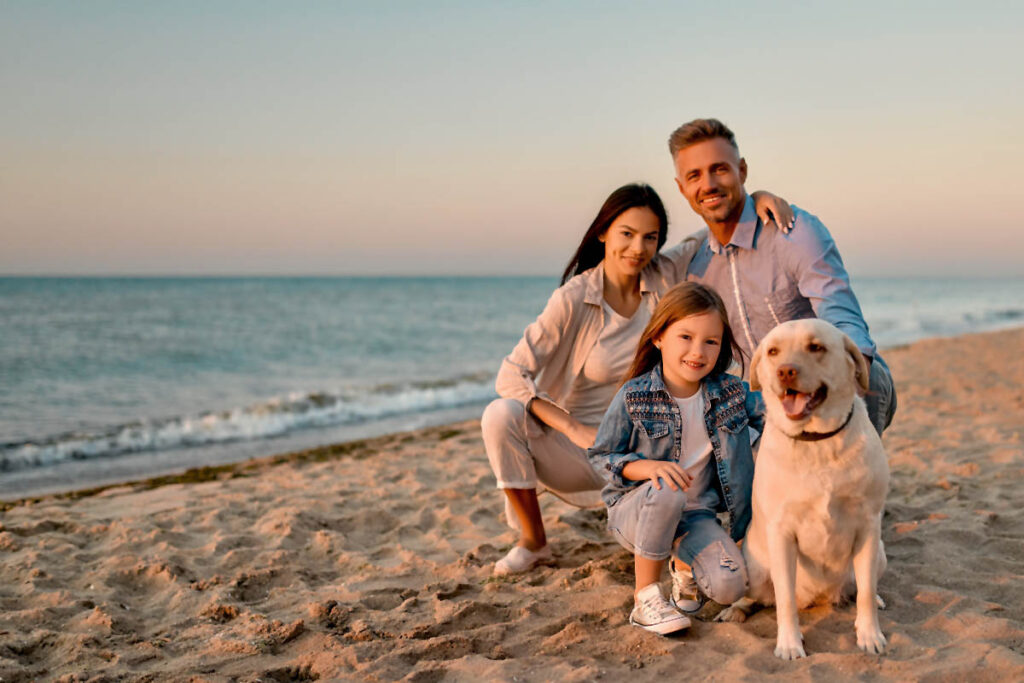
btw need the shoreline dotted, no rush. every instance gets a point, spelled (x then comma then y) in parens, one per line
(198, 473)
(372, 560)
(357, 448)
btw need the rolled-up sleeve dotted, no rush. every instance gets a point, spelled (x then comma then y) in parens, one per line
(610, 452)
(824, 282)
(518, 372)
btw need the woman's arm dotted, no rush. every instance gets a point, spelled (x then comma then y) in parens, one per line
(540, 346)
(556, 418)
(541, 338)
(772, 208)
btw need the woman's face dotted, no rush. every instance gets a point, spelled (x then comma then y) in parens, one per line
(631, 241)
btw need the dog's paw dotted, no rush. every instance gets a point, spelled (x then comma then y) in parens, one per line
(871, 640)
(732, 613)
(789, 646)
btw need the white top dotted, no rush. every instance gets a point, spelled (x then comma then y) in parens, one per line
(695, 454)
(595, 387)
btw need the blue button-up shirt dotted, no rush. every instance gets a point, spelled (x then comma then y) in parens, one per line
(766, 277)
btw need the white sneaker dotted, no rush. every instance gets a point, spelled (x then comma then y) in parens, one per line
(520, 559)
(653, 612)
(685, 594)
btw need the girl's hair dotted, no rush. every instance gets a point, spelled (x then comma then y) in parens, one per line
(684, 300)
(591, 249)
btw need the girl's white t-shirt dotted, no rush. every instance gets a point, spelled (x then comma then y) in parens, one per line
(695, 454)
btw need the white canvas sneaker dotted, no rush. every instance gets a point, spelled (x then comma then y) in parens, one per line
(652, 612)
(685, 594)
(520, 559)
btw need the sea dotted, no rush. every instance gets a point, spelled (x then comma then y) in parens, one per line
(112, 379)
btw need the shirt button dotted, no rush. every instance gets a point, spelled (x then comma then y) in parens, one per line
(727, 489)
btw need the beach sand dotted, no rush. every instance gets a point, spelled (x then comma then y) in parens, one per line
(372, 561)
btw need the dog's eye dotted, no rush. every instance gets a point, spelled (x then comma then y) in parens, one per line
(772, 351)
(815, 347)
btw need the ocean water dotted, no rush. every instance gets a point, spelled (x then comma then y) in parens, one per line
(104, 379)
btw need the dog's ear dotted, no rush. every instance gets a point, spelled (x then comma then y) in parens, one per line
(755, 384)
(860, 365)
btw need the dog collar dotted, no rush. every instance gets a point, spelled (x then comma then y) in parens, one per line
(818, 436)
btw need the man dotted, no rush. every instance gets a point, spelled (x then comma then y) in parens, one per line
(767, 277)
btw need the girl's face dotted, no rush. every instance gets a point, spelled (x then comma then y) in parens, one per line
(689, 350)
(630, 242)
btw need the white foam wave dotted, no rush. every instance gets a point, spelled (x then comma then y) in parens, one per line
(271, 418)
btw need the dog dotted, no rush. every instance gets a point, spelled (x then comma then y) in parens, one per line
(820, 481)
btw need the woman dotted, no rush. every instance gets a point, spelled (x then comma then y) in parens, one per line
(560, 378)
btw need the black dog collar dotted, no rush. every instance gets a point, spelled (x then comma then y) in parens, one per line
(819, 436)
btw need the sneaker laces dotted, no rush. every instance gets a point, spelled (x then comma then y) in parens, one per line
(684, 587)
(656, 608)
(686, 594)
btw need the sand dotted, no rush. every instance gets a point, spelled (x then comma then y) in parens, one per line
(372, 560)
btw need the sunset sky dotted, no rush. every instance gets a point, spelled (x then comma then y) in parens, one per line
(338, 138)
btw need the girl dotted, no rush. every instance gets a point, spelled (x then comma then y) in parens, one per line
(559, 379)
(674, 449)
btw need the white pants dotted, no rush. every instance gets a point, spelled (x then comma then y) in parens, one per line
(525, 455)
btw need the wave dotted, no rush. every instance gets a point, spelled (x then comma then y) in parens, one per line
(897, 327)
(274, 417)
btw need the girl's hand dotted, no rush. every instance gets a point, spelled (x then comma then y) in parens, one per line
(769, 208)
(674, 476)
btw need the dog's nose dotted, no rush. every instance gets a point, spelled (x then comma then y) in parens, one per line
(787, 373)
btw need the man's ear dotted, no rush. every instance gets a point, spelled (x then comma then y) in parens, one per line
(755, 383)
(679, 184)
(743, 170)
(860, 365)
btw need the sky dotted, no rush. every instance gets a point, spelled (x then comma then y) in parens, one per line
(477, 138)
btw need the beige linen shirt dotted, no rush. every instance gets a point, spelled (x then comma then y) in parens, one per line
(550, 356)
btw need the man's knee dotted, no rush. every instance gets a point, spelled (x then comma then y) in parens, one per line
(881, 398)
(721, 573)
(501, 416)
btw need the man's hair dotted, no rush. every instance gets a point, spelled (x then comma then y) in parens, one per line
(699, 130)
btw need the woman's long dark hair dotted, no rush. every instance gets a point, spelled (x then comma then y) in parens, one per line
(684, 300)
(591, 249)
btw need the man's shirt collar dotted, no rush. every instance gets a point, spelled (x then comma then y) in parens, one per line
(743, 235)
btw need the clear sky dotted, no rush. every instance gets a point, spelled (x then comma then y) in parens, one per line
(481, 137)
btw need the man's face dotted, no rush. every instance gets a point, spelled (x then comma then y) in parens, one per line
(710, 175)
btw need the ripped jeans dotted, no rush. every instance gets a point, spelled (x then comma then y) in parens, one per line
(646, 521)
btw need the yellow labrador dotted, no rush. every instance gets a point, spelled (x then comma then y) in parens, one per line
(819, 484)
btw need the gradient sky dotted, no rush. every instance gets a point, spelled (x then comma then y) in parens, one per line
(479, 138)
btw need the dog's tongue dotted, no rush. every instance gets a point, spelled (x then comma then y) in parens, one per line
(796, 405)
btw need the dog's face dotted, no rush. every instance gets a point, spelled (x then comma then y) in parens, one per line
(808, 372)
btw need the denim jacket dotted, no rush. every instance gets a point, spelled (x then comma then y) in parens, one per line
(643, 422)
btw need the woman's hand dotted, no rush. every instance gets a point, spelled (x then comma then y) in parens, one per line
(657, 471)
(771, 208)
(582, 435)
(556, 418)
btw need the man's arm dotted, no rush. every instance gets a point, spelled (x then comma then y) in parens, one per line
(821, 276)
